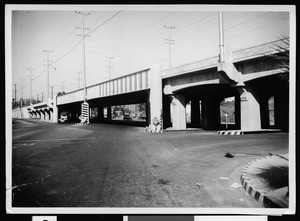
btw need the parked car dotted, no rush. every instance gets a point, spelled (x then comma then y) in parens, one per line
(127, 116)
(65, 117)
(142, 117)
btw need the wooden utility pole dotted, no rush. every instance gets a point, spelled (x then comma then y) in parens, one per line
(170, 42)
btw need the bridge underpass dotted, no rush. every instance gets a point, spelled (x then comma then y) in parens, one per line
(101, 109)
(109, 102)
(204, 107)
(269, 105)
(104, 107)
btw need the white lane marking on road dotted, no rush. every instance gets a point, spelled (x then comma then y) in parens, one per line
(23, 145)
(18, 141)
(24, 122)
(22, 135)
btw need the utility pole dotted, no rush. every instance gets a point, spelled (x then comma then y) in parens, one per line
(62, 85)
(170, 41)
(83, 51)
(22, 79)
(48, 66)
(52, 92)
(221, 37)
(79, 78)
(15, 92)
(21, 98)
(109, 66)
(42, 96)
(30, 79)
(37, 98)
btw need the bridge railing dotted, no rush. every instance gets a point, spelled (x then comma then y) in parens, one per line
(238, 55)
(125, 84)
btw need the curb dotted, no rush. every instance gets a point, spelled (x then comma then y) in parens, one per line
(224, 132)
(81, 124)
(252, 191)
(242, 132)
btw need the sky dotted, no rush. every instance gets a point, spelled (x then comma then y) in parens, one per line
(134, 38)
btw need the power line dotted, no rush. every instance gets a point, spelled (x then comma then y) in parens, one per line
(39, 74)
(103, 23)
(66, 53)
(81, 39)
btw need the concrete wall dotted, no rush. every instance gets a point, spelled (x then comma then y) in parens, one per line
(20, 113)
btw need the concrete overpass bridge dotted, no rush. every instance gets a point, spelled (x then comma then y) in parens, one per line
(248, 76)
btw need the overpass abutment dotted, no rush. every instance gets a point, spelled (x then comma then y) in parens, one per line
(178, 112)
(250, 116)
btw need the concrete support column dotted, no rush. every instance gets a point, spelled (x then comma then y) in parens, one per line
(55, 111)
(38, 114)
(237, 111)
(210, 113)
(281, 109)
(250, 109)
(155, 96)
(43, 115)
(178, 112)
(109, 113)
(195, 113)
(51, 114)
(167, 111)
(47, 114)
(264, 111)
(100, 113)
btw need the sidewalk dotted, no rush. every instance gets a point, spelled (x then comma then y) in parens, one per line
(266, 180)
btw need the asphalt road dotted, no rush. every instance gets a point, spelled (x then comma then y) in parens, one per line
(104, 165)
